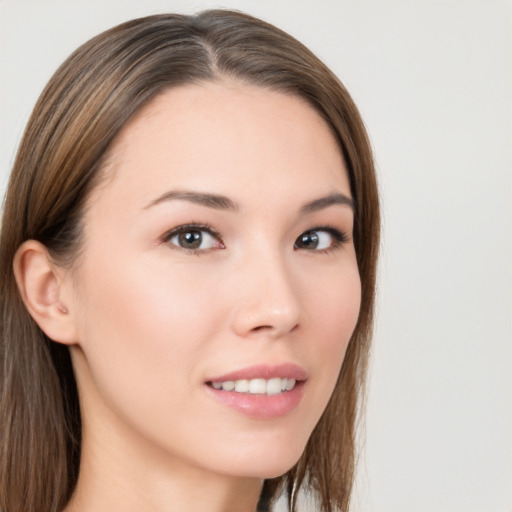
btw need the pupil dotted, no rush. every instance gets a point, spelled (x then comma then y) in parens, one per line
(190, 239)
(309, 240)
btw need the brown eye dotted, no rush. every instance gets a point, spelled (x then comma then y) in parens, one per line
(320, 239)
(308, 240)
(190, 239)
(193, 239)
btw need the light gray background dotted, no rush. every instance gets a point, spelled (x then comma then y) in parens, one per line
(433, 80)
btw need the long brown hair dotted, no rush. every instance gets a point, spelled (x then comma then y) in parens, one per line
(80, 112)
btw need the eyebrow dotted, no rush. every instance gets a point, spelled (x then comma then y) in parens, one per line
(203, 199)
(219, 202)
(325, 202)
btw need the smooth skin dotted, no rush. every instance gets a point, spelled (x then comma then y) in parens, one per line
(154, 307)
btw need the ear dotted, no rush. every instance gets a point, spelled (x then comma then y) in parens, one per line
(40, 283)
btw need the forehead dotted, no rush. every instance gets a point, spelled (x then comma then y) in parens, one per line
(228, 138)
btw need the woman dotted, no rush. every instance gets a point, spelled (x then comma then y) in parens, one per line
(188, 254)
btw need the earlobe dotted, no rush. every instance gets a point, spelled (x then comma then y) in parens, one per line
(40, 285)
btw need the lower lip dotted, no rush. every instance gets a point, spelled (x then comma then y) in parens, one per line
(263, 407)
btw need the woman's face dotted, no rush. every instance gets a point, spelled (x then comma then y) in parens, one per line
(217, 253)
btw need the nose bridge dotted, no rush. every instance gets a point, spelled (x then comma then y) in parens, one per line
(267, 300)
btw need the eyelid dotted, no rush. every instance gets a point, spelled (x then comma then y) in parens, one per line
(340, 237)
(192, 226)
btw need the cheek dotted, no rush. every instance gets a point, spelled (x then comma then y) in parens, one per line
(147, 296)
(142, 323)
(334, 307)
(331, 309)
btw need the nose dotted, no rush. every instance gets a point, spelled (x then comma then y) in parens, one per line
(267, 302)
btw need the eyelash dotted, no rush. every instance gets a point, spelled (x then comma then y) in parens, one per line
(187, 228)
(338, 237)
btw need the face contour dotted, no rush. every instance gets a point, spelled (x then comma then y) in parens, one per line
(217, 253)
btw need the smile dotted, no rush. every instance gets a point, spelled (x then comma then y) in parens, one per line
(262, 391)
(272, 386)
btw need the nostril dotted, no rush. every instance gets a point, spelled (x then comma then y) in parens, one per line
(271, 329)
(262, 328)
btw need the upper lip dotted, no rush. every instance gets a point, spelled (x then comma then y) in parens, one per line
(264, 371)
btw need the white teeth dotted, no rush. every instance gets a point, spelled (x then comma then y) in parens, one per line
(290, 384)
(256, 386)
(241, 386)
(274, 386)
(228, 385)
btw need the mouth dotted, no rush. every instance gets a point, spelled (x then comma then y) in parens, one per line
(274, 386)
(262, 391)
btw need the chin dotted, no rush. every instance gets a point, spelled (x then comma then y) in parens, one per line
(261, 460)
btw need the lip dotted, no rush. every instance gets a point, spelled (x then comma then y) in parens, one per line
(262, 407)
(264, 371)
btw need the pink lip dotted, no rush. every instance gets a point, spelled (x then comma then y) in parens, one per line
(262, 407)
(264, 371)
